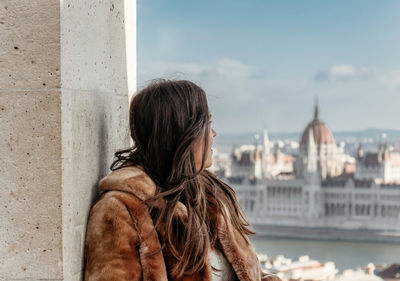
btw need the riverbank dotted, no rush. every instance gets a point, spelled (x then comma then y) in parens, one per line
(345, 254)
(333, 234)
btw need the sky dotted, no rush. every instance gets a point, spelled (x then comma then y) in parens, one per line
(263, 62)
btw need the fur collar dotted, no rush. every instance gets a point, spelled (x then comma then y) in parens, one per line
(130, 179)
(134, 180)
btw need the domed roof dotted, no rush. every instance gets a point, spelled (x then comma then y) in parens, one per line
(321, 133)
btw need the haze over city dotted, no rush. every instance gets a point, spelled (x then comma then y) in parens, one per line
(263, 62)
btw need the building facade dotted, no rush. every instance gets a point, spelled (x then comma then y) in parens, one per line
(381, 165)
(318, 150)
(319, 193)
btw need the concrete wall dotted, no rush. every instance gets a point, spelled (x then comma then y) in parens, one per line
(66, 71)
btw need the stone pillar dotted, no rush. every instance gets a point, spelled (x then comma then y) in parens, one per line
(66, 71)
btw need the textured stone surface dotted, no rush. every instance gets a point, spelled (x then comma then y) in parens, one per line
(29, 44)
(30, 178)
(93, 126)
(94, 32)
(95, 87)
(34, 279)
(66, 71)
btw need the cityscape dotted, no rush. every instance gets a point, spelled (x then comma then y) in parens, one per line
(317, 188)
(317, 179)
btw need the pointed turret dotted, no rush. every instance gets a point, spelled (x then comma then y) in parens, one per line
(257, 159)
(383, 149)
(256, 147)
(316, 109)
(277, 152)
(384, 141)
(234, 154)
(265, 155)
(360, 152)
(266, 139)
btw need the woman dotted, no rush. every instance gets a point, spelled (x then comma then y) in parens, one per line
(162, 216)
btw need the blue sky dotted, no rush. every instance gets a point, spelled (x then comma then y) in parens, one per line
(262, 62)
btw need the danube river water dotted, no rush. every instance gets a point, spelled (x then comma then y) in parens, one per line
(344, 254)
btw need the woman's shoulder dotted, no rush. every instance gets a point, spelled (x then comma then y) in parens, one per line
(130, 179)
(113, 207)
(123, 193)
(114, 199)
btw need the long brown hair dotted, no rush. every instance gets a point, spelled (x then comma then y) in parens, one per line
(166, 119)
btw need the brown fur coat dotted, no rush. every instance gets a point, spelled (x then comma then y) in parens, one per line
(115, 250)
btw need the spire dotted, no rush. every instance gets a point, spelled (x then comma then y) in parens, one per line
(234, 154)
(384, 141)
(257, 159)
(266, 138)
(383, 149)
(277, 152)
(360, 152)
(255, 152)
(256, 138)
(265, 154)
(316, 111)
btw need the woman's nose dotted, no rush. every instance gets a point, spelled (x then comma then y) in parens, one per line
(214, 133)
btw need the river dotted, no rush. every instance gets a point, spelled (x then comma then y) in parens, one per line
(344, 254)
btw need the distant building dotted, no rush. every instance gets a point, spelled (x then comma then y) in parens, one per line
(382, 165)
(302, 269)
(257, 162)
(319, 192)
(318, 151)
(312, 270)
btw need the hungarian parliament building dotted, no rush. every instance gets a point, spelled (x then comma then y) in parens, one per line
(317, 190)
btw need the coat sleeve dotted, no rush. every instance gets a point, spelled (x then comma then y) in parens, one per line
(112, 243)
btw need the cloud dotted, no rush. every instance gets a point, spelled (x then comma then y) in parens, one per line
(391, 80)
(164, 68)
(225, 67)
(233, 68)
(342, 72)
(223, 78)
